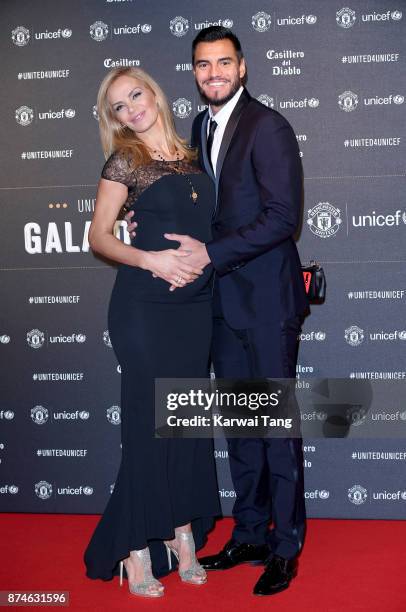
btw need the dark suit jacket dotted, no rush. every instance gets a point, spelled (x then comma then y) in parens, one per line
(258, 207)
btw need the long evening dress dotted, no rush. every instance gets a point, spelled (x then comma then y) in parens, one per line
(161, 483)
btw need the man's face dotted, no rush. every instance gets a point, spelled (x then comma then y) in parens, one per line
(217, 71)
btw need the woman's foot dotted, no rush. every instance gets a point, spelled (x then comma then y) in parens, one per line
(139, 574)
(183, 547)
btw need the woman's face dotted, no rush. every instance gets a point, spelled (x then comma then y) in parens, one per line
(133, 104)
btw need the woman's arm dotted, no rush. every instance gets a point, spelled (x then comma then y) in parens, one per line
(109, 201)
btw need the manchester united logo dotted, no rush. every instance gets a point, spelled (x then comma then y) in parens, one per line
(324, 220)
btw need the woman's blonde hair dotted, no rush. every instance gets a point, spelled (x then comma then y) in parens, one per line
(115, 137)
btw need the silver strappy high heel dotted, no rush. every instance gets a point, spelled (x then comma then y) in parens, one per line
(143, 588)
(195, 570)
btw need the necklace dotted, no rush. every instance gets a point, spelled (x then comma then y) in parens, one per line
(194, 195)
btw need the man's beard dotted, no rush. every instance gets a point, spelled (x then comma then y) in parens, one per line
(220, 101)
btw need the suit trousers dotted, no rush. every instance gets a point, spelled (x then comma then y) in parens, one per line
(267, 473)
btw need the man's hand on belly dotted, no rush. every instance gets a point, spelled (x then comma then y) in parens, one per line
(131, 225)
(199, 256)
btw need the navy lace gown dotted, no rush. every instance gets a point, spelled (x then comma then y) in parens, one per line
(161, 483)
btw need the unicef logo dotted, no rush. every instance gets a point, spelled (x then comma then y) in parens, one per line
(95, 112)
(39, 415)
(324, 494)
(324, 220)
(88, 490)
(182, 108)
(228, 23)
(403, 495)
(80, 338)
(396, 15)
(43, 489)
(9, 415)
(35, 338)
(348, 101)
(357, 495)
(20, 36)
(112, 488)
(320, 336)
(84, 415)
(146, 28)
(345, 18)
(114, 415)
(402, 335)
(398, 99)
(99, 31)
(261, 22)
(403, 415)
(66, 33)
(354, 335)
(313, 102)
(311, 19)
(70, 113)
(13, 489)
(266, 100)
(179, 26)
(24, 115)
(4, 339)
(106, 338)
(119, 369)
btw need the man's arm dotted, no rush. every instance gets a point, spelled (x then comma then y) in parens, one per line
(278, 172)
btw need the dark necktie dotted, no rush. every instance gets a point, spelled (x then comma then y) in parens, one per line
(212, 129)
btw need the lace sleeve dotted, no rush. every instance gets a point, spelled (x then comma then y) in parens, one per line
(117, 169)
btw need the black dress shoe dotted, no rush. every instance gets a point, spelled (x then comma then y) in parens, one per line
(277, 576)
(233, 554)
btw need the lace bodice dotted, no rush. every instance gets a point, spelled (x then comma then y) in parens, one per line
(118, 168)
(162, 193)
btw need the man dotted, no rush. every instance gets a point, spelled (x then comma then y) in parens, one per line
(259, 300)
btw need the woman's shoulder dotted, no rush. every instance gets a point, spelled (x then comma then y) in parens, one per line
(118, 167)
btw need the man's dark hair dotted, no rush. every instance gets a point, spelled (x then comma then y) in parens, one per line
(214, 33)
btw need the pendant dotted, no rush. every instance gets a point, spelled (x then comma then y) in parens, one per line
(194, 196)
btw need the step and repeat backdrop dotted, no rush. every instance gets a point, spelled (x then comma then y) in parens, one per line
(337, 73)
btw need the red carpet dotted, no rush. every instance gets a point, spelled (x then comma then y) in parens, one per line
(345, 566)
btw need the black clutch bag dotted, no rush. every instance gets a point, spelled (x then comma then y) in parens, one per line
(314, 282)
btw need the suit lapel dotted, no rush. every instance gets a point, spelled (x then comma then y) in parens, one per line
(227, 137)
(230, 129)
(203, 146)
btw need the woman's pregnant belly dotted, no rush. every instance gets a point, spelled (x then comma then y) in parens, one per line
(140, 285)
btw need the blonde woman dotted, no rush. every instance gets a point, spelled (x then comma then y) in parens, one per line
(165, 495)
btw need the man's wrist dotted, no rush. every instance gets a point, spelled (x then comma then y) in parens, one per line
(207, 259)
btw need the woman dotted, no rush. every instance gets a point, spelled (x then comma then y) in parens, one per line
(165, 495)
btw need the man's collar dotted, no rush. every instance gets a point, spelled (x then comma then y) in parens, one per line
(224, 113)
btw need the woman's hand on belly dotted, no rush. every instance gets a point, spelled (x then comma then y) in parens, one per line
(171, 265)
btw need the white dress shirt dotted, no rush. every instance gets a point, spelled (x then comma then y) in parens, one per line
(221, 118)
